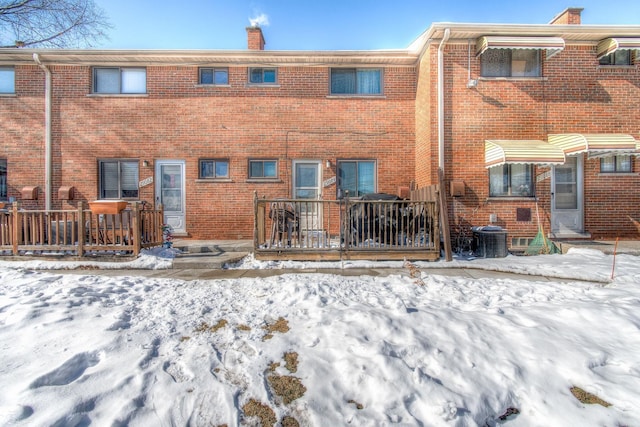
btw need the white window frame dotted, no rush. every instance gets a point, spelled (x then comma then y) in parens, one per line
(7, 80)
(123, 83)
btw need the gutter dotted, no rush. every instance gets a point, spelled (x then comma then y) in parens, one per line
(47, 136)
(444, 40)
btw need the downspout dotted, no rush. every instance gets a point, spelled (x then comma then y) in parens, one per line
(47, 136)
(445, 38)
(444, 215)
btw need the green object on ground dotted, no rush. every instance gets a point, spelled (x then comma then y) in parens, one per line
(541, 245)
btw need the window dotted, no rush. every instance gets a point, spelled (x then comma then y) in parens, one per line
(511, 180)
(356, 176)
(214, 76)
(7, 80)
(263, 169)
(118, 179)
(510, 63)
(347, 81)
(3, 179)
(619, 57)
(119, 80)
(615, 164)
(214, 168)
(262, 75)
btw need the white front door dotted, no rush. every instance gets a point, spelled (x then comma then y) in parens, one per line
(567, 213)
(170, 192)
(307, 185)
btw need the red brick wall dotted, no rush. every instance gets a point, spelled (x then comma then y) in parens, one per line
(179, 119)
(576, 95)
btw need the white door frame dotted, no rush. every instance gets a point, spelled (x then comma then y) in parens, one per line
(568, 222)
(172, 197)
(316, 215)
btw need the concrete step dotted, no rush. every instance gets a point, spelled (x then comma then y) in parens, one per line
(213, 246)
(197, 254)
(206, 260)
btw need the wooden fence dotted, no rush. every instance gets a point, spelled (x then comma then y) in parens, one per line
(373, 229)
(80, 231)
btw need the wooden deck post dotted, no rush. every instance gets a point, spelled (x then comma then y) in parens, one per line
(135, 229)
(81, 229)
(444, 217)
(16, 224)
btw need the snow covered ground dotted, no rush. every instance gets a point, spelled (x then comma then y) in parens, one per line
(417, 349)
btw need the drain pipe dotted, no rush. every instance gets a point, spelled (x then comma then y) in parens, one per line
(47, 137)
(445, 38)
(444, 215)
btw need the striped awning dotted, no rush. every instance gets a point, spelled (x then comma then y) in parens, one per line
(552, 45)
(610, 45)
(502, 152)
(595, 145)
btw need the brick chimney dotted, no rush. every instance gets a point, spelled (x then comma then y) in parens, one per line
(255, 39)
(570, 16)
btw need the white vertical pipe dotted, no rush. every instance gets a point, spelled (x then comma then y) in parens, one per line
(444, 40)
(47, 136)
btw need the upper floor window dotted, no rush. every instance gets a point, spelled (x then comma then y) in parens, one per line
(356, 81)
(510, 63)
(615, 164)
(3, 179)
(514, 180)
(7, 80)
(214, 76)
(262, 75)
(619, 57)
(356, 176)
(119, 80)
(214, 168)
(263, 169)
(118, 179)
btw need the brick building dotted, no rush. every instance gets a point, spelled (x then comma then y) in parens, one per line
(519, 118)
(533, 121)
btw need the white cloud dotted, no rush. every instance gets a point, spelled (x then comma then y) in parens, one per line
(261, 20)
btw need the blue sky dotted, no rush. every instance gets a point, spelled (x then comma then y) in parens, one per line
(326, 25)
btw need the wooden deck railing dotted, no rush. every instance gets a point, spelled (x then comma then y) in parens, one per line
(78, 231)
(302, 229)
